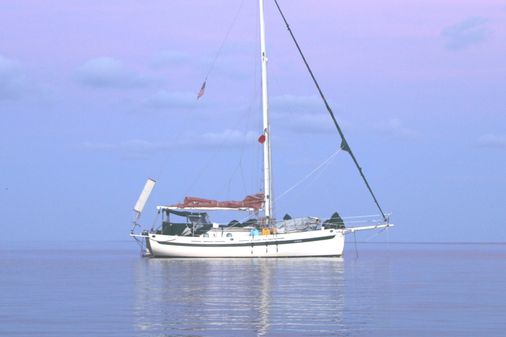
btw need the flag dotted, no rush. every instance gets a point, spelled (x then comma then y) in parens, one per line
(202, 90)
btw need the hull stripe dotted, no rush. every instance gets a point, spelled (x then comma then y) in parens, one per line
(243, 257)
(245, 244)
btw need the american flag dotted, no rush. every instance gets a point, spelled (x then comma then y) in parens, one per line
(202, 90)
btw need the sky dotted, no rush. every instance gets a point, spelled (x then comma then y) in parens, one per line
(98, 96)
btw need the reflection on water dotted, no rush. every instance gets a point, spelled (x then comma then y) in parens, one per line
(402, 290)
(239, 297)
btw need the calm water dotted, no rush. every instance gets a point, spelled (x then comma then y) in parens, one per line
(389, 290)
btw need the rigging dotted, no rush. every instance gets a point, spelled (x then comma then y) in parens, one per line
(344, 144)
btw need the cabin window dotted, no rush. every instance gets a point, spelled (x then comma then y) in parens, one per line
(229, 235)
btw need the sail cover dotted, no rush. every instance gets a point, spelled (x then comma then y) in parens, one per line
(254, 202)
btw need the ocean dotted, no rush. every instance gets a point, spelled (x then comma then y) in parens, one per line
(107, 289)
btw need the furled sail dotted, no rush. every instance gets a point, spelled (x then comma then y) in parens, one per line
(254, 202)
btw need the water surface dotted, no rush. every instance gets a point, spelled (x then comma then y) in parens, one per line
(106, 289)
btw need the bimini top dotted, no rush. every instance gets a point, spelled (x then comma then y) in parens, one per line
(250, 203)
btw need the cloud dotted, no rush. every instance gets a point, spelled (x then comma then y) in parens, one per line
(224, 64)
(143, 148)
(106, 72)
(228, 138)
(302, 114)
(395, 128)
(13, 82)
(465, 34)
(170, 58)
(172, 100)
(135, 145)
(492, 141)
(296, 103)
(306, 123)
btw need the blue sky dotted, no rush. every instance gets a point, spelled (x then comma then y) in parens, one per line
(96, 96)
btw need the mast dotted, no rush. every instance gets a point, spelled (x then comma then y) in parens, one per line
(265, 117)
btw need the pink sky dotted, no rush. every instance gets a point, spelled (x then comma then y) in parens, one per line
(87, 88)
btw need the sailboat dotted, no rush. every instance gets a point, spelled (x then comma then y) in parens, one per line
(186, 230)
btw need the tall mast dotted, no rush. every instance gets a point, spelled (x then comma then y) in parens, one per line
(265, 114)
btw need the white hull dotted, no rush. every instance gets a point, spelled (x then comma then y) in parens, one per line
(327, 242)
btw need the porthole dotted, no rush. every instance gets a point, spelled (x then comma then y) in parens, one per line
(229, 235)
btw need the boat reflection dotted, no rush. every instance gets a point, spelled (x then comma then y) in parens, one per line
(248, 297)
